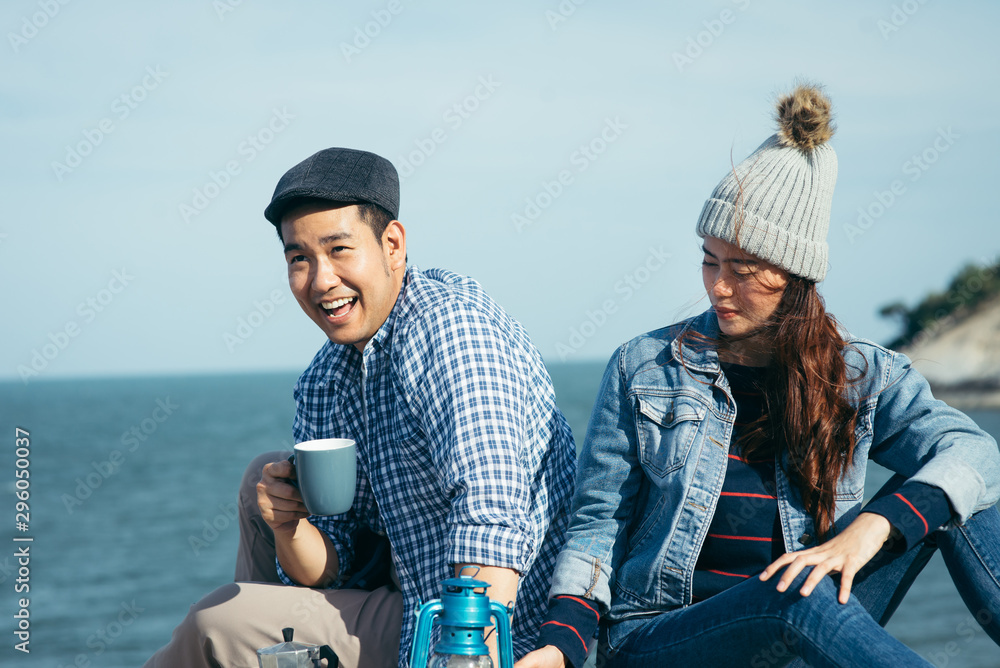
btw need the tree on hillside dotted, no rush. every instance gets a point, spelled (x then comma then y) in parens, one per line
(970, 287)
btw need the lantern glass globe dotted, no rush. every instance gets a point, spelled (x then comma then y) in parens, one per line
(459, 661)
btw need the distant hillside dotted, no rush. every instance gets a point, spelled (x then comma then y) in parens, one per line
(973, 286)
(962, 361)
(953, 337)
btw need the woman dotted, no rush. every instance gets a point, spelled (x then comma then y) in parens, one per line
(718, 514)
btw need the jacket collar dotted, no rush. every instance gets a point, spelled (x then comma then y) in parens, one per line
(697, 354)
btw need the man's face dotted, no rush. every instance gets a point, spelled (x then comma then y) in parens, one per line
(344, 278)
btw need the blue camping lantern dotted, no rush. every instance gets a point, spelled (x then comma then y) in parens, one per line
(463, 614)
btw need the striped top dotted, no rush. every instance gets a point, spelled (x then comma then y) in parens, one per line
(745, 533)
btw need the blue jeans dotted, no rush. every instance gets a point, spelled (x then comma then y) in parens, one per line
(752, 624)
(971, 553)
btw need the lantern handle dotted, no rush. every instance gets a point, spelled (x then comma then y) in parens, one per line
(422, 635)
(461, 571)
(502, 616)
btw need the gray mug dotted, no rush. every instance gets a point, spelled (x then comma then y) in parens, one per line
(327, 471)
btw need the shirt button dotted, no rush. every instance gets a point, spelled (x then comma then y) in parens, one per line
(806, 539)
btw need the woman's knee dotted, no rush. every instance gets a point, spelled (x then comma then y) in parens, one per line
(822, 600)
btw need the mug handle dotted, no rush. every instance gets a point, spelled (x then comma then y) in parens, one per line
(293, 483)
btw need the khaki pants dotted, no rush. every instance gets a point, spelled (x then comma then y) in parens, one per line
(227, 627)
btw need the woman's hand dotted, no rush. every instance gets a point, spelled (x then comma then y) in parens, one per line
(846, 553)
(546, 657)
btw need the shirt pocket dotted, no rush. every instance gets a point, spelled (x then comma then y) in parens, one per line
(667, 427)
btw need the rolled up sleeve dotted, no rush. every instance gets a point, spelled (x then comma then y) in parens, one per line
(473, 397)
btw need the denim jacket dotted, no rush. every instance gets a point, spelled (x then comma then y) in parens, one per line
(654, 460)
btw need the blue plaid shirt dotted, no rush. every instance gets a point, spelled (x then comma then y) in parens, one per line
(463, 456)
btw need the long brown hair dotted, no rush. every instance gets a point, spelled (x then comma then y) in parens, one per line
(807, 412)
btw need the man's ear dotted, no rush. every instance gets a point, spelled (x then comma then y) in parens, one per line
(394, 245)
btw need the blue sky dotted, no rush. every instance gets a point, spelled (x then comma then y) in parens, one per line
(143, 141)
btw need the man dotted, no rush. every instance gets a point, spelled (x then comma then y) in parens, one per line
(463, 457)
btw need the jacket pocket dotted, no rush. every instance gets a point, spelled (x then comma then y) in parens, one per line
(851, 486)
(648, 521)
(850, 491)
(667, 427)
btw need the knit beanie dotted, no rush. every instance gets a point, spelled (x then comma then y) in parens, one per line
(775, 205)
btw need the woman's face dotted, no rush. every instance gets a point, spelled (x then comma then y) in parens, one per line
(744, 290)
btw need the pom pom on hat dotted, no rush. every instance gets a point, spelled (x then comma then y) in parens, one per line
(804, 118)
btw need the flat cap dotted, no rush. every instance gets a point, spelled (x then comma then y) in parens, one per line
(341, 175)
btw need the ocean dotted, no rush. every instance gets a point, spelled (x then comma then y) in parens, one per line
(132, 514)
